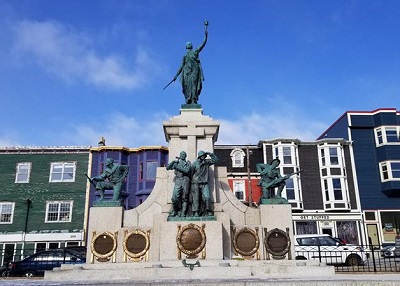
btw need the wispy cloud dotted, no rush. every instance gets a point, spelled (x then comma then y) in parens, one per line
(122, 130)
(69, 54)
(119, 130)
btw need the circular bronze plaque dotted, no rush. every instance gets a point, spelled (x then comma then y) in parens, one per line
(136, 243)
(191, 239)
(104, 244)
(277, 242)
(246, 242)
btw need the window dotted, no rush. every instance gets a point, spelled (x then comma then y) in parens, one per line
(151, 170)
(141, 171)
(237, 156)
(390, 170)
(287, 153)
(23, 173)
(239, 190)
(6, 212)
(333, 176)
(329, 156)
(387, 135)
(62, 172)
(290, 195)
(58, 211)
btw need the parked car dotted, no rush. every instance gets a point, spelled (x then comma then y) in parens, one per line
(326, 249)
(4, 272)
(38, 263)
(341, 241)
(390, 251)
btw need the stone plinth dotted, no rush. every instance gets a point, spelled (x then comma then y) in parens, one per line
(104, 220)
(213, 235)
(191, 131)
(278, 217)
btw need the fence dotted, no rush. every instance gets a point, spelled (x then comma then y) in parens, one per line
(351, 258)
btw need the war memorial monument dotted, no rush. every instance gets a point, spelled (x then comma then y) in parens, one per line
(191, 226)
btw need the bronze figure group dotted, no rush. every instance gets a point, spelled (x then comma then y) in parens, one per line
(191, 195)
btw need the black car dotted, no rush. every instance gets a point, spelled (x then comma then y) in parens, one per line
(38, 263)
(4, 272)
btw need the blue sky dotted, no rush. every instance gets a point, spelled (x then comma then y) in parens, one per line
(73, 71)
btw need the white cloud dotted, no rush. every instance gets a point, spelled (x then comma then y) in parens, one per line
(255, 127)
(68, 54)
(121, 130)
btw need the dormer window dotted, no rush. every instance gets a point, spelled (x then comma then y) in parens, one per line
(237, 156)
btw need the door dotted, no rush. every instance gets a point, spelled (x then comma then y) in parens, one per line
(373, 237)
(8, 254)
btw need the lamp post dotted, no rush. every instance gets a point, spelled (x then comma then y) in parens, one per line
(249, 177)
(28, 203)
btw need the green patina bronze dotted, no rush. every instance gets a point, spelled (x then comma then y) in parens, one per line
(111, 179)
(200, 191)
(271, 179)
(191, 197)
(180, 194)
(191, 72)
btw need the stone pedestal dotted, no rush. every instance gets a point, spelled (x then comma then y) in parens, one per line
(278, 217)
(212, 250)
(107, 221)
(191, 131)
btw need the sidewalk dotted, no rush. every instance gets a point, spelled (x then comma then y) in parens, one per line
(336, 280)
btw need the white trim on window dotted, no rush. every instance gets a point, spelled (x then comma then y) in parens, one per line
(239, 189)
(62, 172)
(387, 135)
(389, 170)
(58, 211)
(237, 156)
(23, 172)
(6, 212)
(333, 176)
(287, 153)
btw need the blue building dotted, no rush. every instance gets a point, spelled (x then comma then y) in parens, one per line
(375, 137)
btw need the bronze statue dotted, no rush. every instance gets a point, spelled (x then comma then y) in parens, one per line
(180, 194)
(271, 179)
(200, 191)
(111, 179)
(191, 71)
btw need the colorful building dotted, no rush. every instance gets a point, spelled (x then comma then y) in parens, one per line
(42, 199)
(324, 195)
(375, 137)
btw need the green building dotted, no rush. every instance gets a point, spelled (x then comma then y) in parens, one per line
(42, 199)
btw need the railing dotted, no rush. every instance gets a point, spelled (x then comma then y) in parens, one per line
(353, 259)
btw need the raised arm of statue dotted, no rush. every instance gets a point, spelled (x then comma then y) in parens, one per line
(198, 50)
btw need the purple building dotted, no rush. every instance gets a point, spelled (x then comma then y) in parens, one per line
(142, 162)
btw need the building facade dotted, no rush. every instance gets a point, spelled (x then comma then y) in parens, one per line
(142, 162)
(42, 199)
(375, 137)
(324, 196)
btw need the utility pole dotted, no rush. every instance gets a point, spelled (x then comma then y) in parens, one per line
(249, 177)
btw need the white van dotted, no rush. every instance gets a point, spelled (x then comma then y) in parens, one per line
(326, 249)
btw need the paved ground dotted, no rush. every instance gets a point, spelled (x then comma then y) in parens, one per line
(337, 280)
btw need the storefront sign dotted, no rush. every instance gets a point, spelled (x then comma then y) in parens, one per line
(314, 217)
